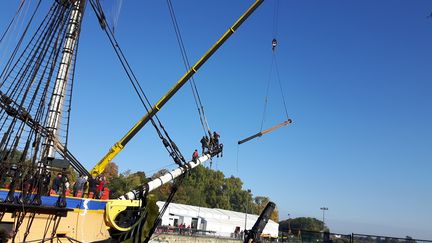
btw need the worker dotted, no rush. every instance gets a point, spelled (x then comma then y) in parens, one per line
(101, 185)
(79, 185)
(195, 155)
(221, 150)
(56, 186)
(216, 137)
(92, 185)
(204, 143)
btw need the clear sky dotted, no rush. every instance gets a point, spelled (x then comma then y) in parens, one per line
(357, 79)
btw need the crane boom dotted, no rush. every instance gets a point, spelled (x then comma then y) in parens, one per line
(289, 121)
(117, 147)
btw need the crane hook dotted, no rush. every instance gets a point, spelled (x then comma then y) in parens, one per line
(274, 44)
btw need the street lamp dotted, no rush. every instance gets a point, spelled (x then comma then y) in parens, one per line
(246, 206)
(289, 224)
(324, 209)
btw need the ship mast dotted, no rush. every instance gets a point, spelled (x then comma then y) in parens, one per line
(61, 82)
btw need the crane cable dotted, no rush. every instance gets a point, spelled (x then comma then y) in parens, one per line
(192, 82)
(274, 65)
(280, 85)
(169, 144)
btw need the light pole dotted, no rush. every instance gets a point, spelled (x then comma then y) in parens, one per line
(289, 225)
(324, 209)
(245, 221)
(247, 203)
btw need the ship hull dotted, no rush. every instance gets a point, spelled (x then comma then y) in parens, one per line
(82, 219)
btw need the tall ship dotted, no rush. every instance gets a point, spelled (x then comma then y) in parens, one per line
(36, 84)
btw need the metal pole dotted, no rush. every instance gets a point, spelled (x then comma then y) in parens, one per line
(245, 221)
(323, 219)
(324, 209)
(289, 226)
(247, 205)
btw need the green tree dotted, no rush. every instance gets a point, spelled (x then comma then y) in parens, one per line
(261, 203)
(126, 182)
(163, 191)
(201, 187)
(208, 188)
(302, 223)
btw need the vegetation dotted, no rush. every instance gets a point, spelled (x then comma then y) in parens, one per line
(301, 223)
(305, 229)
(202, 187)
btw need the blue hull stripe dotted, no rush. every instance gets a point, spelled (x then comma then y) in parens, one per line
(72, 202)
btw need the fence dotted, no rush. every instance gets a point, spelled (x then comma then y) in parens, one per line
(183, 231)
(361, 238)
(297, 236)
(304, 236)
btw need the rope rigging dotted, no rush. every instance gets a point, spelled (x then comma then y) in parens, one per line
(15, 51)
(115, 14)
(210, 140)
(29, 86)
(166, 140)
(17, 14)
(26, 84)
(168, 143)
(143, 98)
(186, 63)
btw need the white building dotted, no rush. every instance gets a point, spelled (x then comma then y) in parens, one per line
(222, 222)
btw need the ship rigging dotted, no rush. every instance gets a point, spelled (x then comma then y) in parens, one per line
(36, 86)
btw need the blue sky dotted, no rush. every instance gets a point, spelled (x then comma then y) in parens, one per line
(356, 77)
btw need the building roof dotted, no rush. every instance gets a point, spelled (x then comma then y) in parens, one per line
(220, 218)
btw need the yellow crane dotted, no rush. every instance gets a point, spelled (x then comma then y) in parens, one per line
(118, 147)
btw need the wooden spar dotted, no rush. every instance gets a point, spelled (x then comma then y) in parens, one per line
(289, 121)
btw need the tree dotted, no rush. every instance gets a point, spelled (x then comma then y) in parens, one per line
(126, 182)
(163, 191)
(204, 187)
(409, 239)
(302, 223)
(261, 202)
(111, 171)
(201, 187)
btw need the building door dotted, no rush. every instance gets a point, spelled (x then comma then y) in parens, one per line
(194, 223)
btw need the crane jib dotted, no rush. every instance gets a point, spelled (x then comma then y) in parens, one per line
(116, 148)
